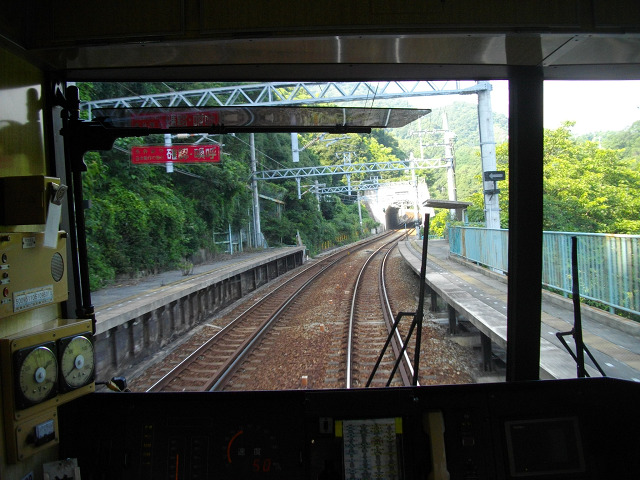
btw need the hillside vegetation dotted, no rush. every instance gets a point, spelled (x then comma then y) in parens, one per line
(143, 219)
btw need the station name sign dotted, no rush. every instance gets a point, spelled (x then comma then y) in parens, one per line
(175, 154)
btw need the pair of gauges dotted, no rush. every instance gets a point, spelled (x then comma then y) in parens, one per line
(43, 370)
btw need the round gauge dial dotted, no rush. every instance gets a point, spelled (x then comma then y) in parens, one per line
(37, 375)
(77, 361)
(250, 451)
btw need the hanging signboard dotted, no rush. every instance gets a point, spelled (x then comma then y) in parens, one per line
(175, 118)
(258, 118)
(175, 154)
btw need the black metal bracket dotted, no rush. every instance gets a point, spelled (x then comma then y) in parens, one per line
(83, 137)
(576, 331)
(561, 335)
(388, 342)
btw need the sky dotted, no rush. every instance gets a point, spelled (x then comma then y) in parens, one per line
(594, 105)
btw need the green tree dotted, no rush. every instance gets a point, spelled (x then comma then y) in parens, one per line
(627, 140)
(586, 188)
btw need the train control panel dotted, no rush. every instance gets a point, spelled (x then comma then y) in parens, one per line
(569, 429)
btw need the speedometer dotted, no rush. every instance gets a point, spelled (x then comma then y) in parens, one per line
(252, 451)
(76, 361)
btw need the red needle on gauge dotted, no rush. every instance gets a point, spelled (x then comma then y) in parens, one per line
(230, 442)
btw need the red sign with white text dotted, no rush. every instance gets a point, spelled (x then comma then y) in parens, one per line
(176, 154)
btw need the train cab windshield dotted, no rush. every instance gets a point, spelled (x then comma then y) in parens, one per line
(375, 157)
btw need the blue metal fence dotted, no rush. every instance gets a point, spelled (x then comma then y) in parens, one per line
(608, 265)
(481, 245)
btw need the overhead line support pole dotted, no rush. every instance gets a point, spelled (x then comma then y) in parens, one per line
(488, 156)
(256, 199)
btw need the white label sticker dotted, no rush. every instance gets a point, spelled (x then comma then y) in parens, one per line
(32, 298)
(28, 242)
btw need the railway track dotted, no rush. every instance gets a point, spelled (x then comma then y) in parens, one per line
(210, 366)
(356, 336)
(370, 321)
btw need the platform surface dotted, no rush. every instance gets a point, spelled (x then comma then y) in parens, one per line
(129, 298)
(614, 341)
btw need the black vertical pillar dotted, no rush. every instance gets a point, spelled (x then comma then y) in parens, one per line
(453, 321)
(525, 223)
(487, 360)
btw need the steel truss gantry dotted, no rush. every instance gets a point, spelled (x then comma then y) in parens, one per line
(351, 168)
(288, 93)
(359, 187)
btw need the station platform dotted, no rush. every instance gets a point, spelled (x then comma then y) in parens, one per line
(136, 318)
(480, 296)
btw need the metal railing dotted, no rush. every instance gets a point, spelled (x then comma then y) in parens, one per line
(485, 246)
(608, 265)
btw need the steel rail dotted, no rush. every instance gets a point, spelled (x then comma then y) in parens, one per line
(406, 367)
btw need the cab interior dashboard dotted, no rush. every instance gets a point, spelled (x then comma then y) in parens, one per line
(561, 429)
